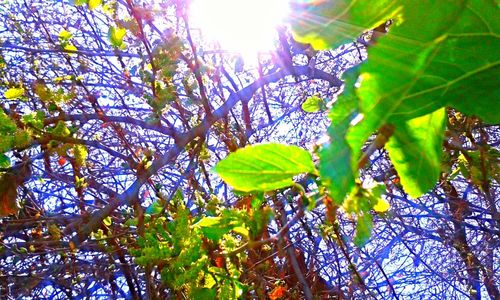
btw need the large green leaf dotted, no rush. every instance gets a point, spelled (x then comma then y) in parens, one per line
(411, 73)
(436, 54)
(336, 169)
(415, 150)
(326, 24)
(451, 59)
(264, 167)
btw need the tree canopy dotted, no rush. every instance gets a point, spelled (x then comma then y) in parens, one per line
(356, 160)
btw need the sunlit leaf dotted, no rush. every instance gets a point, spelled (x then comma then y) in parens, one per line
(209, 222)
(65, 35)
(264, 167)
(81, 153)
(213, 227)
(382, 205)
(14, 93)
(116, 35)
(336, 168)
(61, 129)
(415, 150)
(35, 119)
(313, 104)
(107, 221)
(327, 24)
(364, 226)
(94, 3)
(244, 232)
(414, 70)
(449, 60)
(70, 47)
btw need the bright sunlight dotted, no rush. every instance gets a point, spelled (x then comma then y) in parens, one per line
(243, 26)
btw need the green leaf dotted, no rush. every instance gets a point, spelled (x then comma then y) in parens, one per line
(61, 129)
(132, 222)
(116, 35)
(363, 229)
(214, 227)
(451, 59)
(14, 93)
(341, 20)
(337, 171)
(94, 3)
(7, 126)
(35, 119)
(415, 150)
(314, 104)
(4, 161)
(264, 167)
(209, 222)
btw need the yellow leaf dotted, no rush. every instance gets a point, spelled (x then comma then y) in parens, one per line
(94, 3)
(14, 93)
(242, 231)
(107, 221)
(70, 47)
(209, 281)
(80, 153)
(381, 206)
(65, 35)
(116, 35)
(109, 8)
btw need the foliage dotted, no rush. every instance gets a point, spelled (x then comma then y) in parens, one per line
(264, 167)
(198, 257)
(138, 160)
(313, 104)
(444, 61)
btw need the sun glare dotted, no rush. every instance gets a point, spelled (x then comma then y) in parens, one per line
(243, 26)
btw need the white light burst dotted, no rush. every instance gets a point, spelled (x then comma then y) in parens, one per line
(243, 26)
